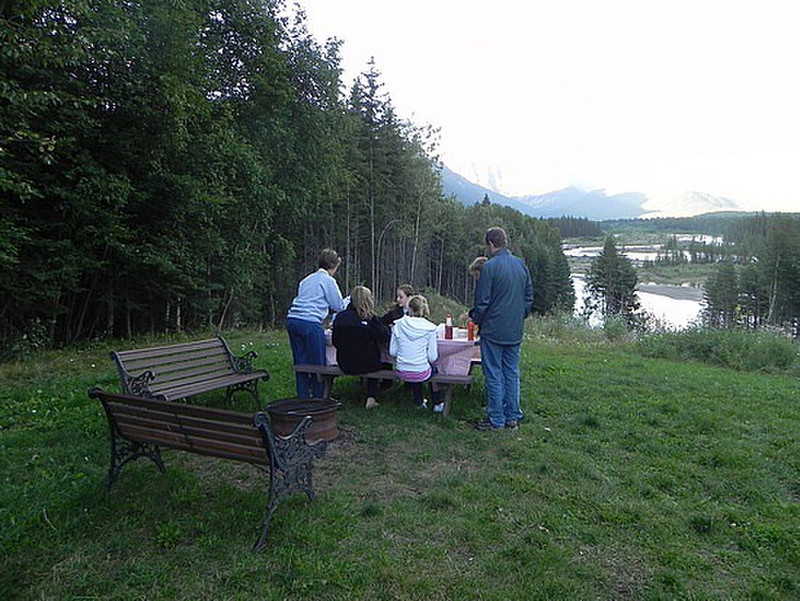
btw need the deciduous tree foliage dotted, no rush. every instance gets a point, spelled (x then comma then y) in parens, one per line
(179, 165)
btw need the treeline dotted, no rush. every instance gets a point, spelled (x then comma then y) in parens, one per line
(576, 227)
(730, 224)
(675, 252)
(760, 284)
(179, 165)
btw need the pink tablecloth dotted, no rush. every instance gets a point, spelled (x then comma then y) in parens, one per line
(454, 355)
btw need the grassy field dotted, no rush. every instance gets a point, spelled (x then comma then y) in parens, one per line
(629, 478)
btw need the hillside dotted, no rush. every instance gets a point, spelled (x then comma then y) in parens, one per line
(630, 478)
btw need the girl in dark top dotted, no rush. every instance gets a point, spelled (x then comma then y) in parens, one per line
(400, 309)
(359, 336)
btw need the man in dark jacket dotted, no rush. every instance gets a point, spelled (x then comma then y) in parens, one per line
(503, 299)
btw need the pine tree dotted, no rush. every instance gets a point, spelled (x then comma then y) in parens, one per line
(611, 283)
(722, 296)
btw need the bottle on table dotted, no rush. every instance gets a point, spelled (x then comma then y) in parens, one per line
(470, 330)
(448, 327)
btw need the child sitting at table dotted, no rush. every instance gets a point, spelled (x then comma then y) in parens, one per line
(400, 308)
(413, 344)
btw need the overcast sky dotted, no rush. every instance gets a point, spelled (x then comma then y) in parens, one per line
(624, 95)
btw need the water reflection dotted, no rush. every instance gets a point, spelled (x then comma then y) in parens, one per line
(642, 252)
(672, 307)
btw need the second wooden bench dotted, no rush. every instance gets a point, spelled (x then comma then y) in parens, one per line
(179, 371)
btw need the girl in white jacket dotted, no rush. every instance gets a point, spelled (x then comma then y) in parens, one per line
(413, 344)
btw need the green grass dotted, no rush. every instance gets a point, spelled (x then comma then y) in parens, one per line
(695, 274)
(630, 478)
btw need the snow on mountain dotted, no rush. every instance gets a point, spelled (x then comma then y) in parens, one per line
(591, 204)
(688, 204)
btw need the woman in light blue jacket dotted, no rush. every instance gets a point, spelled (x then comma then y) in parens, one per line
(317, 295)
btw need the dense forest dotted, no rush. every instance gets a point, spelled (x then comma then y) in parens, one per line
(176, 165)
(757, 279)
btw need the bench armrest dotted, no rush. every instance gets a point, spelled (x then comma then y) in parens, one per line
(243, 364)
(292, 450)
(139, 385)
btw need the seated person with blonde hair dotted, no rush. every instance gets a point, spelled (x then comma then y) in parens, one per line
(359, 336)
(413, 344)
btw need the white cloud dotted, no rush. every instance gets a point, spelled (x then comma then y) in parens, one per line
(620, 94)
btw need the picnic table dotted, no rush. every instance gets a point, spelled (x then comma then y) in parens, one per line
(455, 355)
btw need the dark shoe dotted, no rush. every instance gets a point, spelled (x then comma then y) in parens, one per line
(512, 424)
(484, 425)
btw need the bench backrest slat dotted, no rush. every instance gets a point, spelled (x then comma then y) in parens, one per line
(191, 376)
(171, 349)
(137, 415)
(180, 364)
(175, 361)
(212, 413)
(214, 432)
(211, 447)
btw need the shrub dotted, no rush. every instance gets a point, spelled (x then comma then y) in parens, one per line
(563, 327)
(743, 350)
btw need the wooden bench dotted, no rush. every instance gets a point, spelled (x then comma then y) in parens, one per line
(328, 373)
(140, 427)
(179, 371)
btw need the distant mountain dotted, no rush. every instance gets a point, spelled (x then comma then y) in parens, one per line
(470, 193)
(593, 204)
(690, 204)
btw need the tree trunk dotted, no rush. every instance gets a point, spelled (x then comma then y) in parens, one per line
(224, 312)
(372, 211)
(773, 291)
(415, 248)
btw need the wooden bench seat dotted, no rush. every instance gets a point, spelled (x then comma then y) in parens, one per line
(139, 427)
(328, 373)
(180, 371)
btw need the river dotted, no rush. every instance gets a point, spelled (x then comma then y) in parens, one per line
(673, 307)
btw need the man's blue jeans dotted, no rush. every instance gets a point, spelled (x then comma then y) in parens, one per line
(500, 365)
(308, 347)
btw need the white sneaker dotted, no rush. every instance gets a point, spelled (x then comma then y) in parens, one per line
(371, 403)
(423, 405)
(438, 408)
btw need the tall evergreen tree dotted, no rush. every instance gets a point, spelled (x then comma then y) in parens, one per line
(721, 297)
(611, 283)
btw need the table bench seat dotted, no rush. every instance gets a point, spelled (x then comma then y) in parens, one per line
(328, 373)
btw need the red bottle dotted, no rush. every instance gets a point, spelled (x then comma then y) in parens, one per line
(470, 330)
(448, 327)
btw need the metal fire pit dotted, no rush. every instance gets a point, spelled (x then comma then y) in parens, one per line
(285, 414)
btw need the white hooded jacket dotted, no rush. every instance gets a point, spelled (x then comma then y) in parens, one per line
(413, 344)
